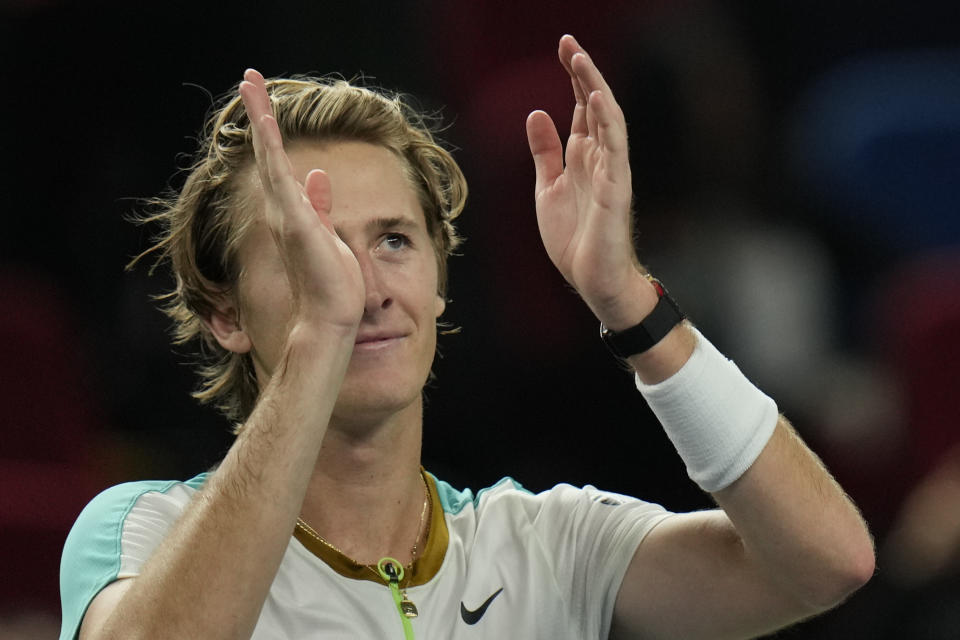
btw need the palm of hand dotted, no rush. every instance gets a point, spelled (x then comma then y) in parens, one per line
(584, 218)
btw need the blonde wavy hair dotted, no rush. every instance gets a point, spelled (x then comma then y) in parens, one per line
(203, 224)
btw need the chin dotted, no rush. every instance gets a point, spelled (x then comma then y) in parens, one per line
(370, 398)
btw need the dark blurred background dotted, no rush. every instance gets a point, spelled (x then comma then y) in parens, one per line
(796, 177)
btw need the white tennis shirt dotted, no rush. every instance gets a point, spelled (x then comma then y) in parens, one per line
(545, 566)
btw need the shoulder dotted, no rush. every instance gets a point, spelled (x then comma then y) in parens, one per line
(119, 499)
(108, 511)
(562, 500)
(114, 534)
(454, 501)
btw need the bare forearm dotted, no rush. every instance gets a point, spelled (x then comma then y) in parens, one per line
(797, 525)
(795, 521)
(787, 545)
(210, 576)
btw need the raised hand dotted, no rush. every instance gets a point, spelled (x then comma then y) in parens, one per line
(324, 276)
(583, 199)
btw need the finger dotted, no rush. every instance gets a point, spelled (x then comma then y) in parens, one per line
(578, 123)
(579, 62)
(262, 101)
(612, 138)
(546, 148)
(611, 131)
(254, 98)
(586, 71)
(568, 47)
(317, 187)
(593, 80)
(273, 165)
(283, 185)
(591, 118)
(566, 53)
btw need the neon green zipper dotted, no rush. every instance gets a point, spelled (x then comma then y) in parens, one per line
(392, 571)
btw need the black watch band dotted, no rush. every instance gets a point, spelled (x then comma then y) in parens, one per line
(639, 338)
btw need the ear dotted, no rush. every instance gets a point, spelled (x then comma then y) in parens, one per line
(223, 322)
(440, 305)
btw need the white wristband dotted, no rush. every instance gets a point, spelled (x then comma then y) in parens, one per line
(718, 420)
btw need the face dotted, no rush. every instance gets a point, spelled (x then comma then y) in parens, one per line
(377, 214)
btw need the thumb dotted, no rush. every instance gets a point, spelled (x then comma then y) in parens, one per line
(317, 188)
(546, 148)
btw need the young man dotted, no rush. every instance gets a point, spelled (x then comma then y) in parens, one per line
(309, 245)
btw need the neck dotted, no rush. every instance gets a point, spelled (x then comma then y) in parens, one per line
(366, 495)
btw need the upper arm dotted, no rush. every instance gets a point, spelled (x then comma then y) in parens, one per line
(101, 607)
(691, 578)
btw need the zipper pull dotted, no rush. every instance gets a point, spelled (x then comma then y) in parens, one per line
(392, 571)
(407, 607)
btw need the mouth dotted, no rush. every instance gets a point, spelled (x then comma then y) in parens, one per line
(376, 342)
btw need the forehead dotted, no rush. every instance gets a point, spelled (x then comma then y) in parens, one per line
(366, 180)
(369, 185)
(363, 177)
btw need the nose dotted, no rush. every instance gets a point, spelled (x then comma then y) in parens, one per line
(376, 295)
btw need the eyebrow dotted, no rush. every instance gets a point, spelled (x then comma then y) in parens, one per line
(379, 225)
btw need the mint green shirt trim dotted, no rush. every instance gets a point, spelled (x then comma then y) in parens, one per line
(91, 553)
(453, 501)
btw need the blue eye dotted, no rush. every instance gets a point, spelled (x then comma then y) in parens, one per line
(396, 241)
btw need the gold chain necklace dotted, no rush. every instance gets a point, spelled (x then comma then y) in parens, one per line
(406, 605)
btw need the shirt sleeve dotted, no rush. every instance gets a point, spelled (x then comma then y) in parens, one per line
(592, 535)
(111, 539)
